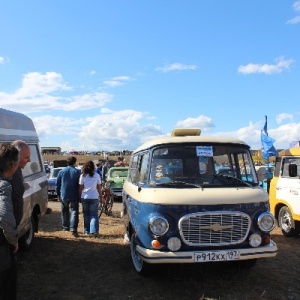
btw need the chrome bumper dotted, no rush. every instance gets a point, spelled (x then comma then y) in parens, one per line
(159, 257)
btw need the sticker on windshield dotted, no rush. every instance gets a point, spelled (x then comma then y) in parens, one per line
(205, 151)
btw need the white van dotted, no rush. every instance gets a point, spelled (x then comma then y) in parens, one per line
(195, 199)
(16, 126)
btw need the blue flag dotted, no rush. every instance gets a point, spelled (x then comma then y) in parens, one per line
(267, 143)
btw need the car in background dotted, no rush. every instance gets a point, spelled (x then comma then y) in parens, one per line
(47, 168)
(52, 182)
(118, 175)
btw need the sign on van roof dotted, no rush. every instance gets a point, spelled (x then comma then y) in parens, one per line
(16, 126)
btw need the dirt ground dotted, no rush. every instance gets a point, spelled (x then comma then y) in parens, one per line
(63, 267)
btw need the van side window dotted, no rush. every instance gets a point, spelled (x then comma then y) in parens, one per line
(35, 165)
(285, 166)
(132, 175)
(143, 168)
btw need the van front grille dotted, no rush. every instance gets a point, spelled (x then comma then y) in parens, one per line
(214, 228)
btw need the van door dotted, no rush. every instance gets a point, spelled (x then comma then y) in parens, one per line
(288, 188)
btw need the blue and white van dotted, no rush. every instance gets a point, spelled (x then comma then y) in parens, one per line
(193, 199)
(17, 126)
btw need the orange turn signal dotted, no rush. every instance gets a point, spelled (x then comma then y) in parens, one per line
(266, 240)
(155, 244)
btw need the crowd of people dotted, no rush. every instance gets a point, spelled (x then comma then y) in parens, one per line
(72, 186)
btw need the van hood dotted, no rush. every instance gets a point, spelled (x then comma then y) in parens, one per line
(197, 196)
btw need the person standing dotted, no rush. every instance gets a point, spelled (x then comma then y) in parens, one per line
(120, 162)
(18, 190)
(9, 160)
(67, 192)
(99, 168)
(105, 169)
(90, 191)
(17, 181)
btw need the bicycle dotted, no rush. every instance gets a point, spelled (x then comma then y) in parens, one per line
(107, 202)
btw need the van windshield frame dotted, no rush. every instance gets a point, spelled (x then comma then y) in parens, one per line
(199, 165)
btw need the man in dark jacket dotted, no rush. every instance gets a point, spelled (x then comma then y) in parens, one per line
(18, 190)
(67, 184)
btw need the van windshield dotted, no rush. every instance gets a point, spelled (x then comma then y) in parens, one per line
(202, 165)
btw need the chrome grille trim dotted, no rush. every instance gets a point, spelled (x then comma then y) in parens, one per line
(214, 228)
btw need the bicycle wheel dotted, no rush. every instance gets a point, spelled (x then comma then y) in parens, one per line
(109, 205)
(101, 208)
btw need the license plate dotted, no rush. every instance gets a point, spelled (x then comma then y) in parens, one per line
(216, 255)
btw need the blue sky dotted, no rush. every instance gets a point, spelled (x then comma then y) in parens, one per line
(109, 75)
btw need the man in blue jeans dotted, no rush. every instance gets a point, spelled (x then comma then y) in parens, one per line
(67, 184)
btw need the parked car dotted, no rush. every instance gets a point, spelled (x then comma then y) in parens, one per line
(13, 126)
(118, 175)
(52, 182)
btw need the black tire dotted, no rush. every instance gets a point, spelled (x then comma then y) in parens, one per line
(286, 222)
(109, 205)
(26, 241)
(141, 267)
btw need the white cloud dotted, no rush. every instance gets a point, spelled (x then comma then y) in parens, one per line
(120, 130)
(176, 67)
(116, 130)
(117, 81)
(2, 60)
(296, 7)
(280, 66)
(48, 125)
(294, 20)
(282, 117)
(36, 83)
(202, 122)
(283, 135)
(93, 72)
(38, 93)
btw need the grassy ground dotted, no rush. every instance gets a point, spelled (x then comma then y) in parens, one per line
(60, 266)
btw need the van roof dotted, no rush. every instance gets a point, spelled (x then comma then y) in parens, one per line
(16, 126)
(290, 152)
(194, 138)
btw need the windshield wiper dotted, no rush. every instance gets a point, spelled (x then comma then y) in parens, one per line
(181, 184)
(232, 179)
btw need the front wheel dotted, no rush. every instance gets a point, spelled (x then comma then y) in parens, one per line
(140, 266)
(26, 241)
(286, 222)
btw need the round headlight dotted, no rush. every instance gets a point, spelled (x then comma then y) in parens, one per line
(158, 225)
(255, 240)
(266, 222)
(174, 244)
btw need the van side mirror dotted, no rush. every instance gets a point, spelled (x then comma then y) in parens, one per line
(293, 170)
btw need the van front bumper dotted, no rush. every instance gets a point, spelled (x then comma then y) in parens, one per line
(160, 257)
